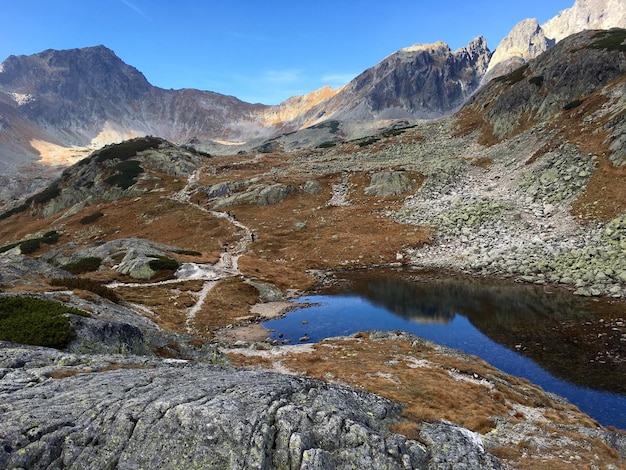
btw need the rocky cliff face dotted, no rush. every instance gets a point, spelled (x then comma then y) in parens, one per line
(422, 81)
(528, 39)
(558, 80)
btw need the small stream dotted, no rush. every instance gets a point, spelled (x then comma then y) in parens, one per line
(571, 346)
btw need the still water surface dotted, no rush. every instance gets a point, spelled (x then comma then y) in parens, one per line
(570, 346)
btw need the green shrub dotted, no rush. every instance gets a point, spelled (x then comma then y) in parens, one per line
(51, 237)
(612, 40)
(30, 246)
(33, 244)
(163, 263)
(572, 104)
(91, 218)
(195, 151)
(125, 175)
(327, 144)
(47, 194)
(85, 265)
(8, 247)
(189, 252)
(368, 141)
(127, 149)
(15, 210)
(88, 285)
(515, 76)
(29, 320)
(332, 124)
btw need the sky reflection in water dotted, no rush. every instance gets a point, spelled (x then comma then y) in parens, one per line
(523, 330)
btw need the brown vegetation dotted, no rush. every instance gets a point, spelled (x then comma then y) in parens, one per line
(433, 383)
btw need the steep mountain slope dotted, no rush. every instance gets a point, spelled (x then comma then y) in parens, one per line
(528, 39)
(422, 81)
(89, 97)
(554, 85)
(77, 94)
(57, 106)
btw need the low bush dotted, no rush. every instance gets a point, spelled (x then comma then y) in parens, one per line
(125, 175)
(332, 124)
(612, 40)
(30, 246)
(33, 244)
(30, 320)
(91, 218)
(8, 247)
(47, 194)
(368, 141)
(327, 144)
(84, 265)
(163, 263)
(15, 210)
(515, 76)
(189, 252)
(88, 285)
(127, 149)
(51, 237)
(572, 104)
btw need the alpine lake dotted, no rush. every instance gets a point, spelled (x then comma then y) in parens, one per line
(572, 346)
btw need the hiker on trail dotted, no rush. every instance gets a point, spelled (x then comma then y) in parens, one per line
(225, 247)
(251, 236)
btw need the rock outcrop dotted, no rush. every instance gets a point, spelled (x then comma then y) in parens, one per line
(70, 411)
(528, 39)
(557, 80)
(422, 81)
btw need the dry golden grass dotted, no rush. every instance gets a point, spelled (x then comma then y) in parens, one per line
(469, 120)
(169, 302)
(356, 235)
(434, 384)
(226, 304)
(605, 196)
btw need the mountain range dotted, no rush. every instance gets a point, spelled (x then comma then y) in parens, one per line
(56, 106)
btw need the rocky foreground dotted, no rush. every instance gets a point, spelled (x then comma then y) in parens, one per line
(69, 411)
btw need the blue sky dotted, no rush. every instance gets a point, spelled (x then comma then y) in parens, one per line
(258, 51)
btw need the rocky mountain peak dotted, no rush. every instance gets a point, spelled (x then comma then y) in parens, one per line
(420, 81)
(54, 70)
(436, 47)
(528, 39)
(586, 14)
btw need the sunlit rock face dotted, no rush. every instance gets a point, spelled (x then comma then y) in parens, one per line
(528, 39)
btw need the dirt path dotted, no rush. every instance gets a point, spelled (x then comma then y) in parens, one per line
(227, 266)
(201, 296)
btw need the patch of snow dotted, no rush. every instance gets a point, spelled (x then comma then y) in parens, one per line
(22, 98)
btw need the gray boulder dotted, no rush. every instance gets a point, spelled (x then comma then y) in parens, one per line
(157, 414)
(15, 266)
(388, 183)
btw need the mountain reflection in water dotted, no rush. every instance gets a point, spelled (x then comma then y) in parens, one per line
(571, 337)
(576, 346)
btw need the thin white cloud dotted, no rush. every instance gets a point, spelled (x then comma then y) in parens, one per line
(282, 77)
(133, 7)
(337, 79)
